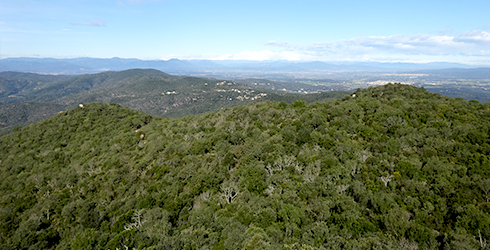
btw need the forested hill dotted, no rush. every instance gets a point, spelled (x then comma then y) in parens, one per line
(389, 167)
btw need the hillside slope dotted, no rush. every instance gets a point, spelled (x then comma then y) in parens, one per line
(22, 114)
(15, 87)
(390, 167)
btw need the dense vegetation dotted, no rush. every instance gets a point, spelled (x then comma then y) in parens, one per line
(390, 167)
(21, 114)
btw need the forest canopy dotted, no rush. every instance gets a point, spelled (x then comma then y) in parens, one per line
(388, 167)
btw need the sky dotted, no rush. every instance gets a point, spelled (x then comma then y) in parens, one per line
(307, 30)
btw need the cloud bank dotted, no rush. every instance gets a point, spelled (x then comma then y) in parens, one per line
(421, 47)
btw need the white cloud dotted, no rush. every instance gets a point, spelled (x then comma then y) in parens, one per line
(472, 47)
(471, 43)
(474, 37)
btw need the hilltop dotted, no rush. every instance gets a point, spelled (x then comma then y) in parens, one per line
(390, 167)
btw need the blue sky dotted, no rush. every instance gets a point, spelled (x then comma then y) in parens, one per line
(349, 30)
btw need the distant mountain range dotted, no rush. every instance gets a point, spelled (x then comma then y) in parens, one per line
(87, 65)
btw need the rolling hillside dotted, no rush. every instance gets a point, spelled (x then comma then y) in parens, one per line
(390, 167)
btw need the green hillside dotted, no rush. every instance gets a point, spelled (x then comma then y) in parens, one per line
(389, 167)
(21, 114)
(18, 87)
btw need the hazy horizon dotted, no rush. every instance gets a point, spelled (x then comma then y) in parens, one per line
(339, 62)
